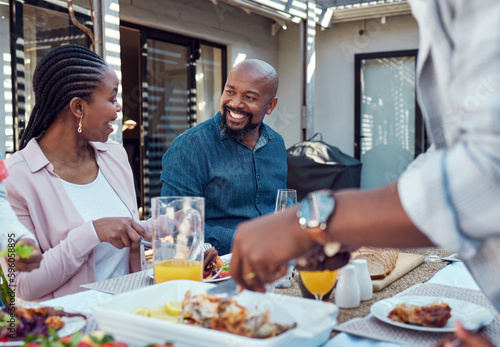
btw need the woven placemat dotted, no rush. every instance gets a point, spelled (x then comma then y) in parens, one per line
(373, 328)
(420, 274)
(123, 283)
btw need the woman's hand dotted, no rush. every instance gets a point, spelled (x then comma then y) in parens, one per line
(120, 232)
(33, 261)
(465, 338)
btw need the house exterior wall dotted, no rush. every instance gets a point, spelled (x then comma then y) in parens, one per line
(251, 35)
(6, 130)
(335, 48)
(286, 116)
(246, 36)
(243, 33)
(334, 79)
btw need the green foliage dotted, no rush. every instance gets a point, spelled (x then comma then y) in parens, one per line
(19, 250)
(4, 288)
(77, 340)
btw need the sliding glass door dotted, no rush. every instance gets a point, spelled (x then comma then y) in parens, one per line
(181, 83)
(38, 26)
(389, 128)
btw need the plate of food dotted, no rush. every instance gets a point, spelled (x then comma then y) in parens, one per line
(224, 271)
(182, 312)
(432, 314)
(38, 320)
(212, 265)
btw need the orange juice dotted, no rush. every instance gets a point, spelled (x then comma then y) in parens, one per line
(319, 282)
(178, 269)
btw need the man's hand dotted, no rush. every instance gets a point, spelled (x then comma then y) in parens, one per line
(33, 261)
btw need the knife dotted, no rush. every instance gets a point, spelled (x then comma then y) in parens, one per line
(146, 244)
(229, 288)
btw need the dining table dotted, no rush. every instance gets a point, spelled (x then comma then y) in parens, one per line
(355, 327)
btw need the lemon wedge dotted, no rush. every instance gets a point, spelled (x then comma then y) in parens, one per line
(173, 307)
(159, 312)
(141, 310)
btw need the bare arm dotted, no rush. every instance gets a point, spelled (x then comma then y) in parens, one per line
(373, 218)
(361, 218)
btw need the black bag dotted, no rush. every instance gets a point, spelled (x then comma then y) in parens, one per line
(314, 165)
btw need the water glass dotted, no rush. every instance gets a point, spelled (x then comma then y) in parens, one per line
(433, 256)
(178, 237)
(285, 198)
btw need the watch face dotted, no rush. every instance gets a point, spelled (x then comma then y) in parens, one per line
(316, 208)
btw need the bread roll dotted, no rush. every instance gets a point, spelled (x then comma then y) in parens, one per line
(381, 261)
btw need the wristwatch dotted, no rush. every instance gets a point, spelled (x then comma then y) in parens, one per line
(314, 212)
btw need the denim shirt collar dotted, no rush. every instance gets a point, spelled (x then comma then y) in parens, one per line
(264, 137)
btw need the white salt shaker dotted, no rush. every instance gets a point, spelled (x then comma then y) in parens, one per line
(364, 279)
(347, 290)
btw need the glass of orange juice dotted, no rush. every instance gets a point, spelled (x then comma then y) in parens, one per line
(319, 283)
(178, 236)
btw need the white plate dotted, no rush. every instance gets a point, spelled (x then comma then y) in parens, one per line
(453, 257)
(225, 259)
(315, 319)
(472, 316)
(71, 326)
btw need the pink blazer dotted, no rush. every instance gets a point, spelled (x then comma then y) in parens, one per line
(40, 201)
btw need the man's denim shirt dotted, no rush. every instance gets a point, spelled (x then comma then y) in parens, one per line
(238, 184)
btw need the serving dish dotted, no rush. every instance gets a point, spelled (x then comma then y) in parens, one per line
(472, 316)
(314, 319)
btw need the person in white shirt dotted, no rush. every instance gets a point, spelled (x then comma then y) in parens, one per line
(448, 196)
(12, 231)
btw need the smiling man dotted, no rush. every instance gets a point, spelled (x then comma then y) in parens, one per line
(233, 160)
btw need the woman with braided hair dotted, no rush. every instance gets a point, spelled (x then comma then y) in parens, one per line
(70, 185)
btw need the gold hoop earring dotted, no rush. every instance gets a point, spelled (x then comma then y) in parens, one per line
(80, 125)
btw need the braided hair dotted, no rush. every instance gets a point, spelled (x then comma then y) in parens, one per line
(64, 73)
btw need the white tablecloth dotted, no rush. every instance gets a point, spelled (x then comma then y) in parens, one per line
(455, 274)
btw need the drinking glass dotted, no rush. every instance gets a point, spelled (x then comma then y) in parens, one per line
(433, 257)
(284, 199)
(178, 236)
(319, 283)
